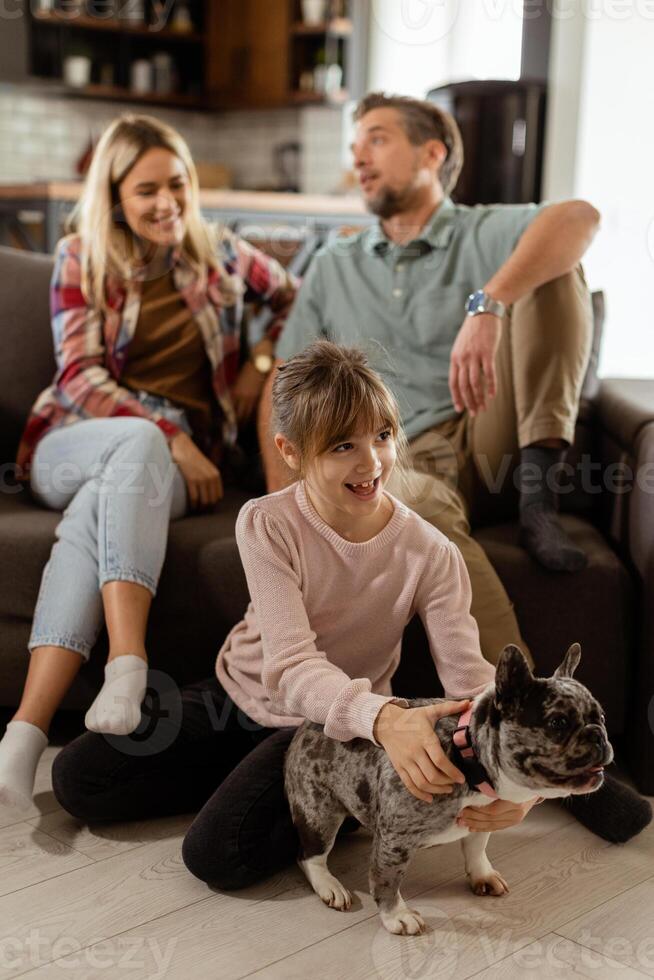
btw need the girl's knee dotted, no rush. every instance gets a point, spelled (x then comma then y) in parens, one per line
(81, 772)
(68, 783)
(215, 862)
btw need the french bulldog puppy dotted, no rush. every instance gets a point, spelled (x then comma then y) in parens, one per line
(529, 736)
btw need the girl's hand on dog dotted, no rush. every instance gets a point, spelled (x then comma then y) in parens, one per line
(408, 737)
(496, 816)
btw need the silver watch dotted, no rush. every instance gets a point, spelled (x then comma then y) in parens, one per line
(480, 302)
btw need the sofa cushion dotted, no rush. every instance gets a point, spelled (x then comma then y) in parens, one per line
(27, 355)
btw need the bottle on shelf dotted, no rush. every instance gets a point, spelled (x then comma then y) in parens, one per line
(333, 80)
(338, 10)
(163, 73)
(182, 20)
(319, 72)
(133, 11)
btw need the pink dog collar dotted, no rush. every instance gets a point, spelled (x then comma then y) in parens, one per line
(479, 776)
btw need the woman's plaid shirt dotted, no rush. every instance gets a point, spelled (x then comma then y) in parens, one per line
(91, 348)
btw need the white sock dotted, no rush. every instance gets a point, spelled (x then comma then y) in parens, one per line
(20, 750)
(117, 708)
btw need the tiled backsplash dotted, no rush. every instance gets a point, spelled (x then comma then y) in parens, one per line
(324, 153)
(42, 136)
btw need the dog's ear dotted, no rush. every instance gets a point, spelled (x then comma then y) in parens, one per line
(570, 662)
(513, 674)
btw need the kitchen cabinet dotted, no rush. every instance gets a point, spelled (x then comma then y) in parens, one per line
(156, 56)
(222, 54)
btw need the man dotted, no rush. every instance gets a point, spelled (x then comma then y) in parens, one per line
(498, 384)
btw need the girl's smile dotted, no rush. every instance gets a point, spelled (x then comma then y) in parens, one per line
(365, 491)
(345, 484)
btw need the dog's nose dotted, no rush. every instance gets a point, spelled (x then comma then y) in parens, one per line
(595, 734)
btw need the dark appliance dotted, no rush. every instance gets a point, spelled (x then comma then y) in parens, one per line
(502, 125)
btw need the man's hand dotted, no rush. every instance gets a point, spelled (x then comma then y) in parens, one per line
(246, 391)
(496, 816)
(409, 739)
(472, 363)
(203, 481)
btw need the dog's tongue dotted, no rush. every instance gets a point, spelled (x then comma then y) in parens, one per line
(596, 768)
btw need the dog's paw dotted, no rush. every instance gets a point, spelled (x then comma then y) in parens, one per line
(335, 895)
(492, 884)
(406, 922)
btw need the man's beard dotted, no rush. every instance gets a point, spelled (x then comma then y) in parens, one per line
(389, 202)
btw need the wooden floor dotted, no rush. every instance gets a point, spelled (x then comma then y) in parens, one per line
(118, 902)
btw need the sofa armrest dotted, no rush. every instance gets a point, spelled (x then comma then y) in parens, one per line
(626, 432)
(624, 406)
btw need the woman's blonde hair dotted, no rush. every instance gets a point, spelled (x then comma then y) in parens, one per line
(322, 395)
(108, 245)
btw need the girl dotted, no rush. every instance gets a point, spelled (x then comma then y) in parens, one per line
(144, 408)
(336, 567)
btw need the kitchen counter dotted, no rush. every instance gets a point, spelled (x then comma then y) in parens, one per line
(24, 206)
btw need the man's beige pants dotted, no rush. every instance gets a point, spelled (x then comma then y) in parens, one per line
(462, 470)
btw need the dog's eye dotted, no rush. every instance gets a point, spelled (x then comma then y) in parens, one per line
(558, 722)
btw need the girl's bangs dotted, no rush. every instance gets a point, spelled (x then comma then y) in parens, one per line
(361, 406)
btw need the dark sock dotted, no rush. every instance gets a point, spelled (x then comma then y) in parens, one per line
(541, 533)
(615, 811)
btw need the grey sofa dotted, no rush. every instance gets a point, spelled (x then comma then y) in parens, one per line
(607, 607)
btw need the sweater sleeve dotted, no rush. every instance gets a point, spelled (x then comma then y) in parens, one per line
(443, 604)
(297, 677)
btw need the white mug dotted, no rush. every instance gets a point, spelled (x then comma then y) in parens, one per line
(313, 11)
(77, 71)
(140, 78)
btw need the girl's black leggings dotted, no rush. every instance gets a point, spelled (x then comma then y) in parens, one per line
(194, 750)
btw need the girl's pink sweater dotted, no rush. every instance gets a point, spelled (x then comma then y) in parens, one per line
(321, 637)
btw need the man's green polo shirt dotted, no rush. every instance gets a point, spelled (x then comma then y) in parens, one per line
(404, 304)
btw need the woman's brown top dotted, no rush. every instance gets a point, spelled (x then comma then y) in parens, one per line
(167, 355)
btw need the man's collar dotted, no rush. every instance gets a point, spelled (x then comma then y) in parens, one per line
(436, 233)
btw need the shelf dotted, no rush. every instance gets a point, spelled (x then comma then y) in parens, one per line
(318, 98)
(340, 27)
(84, 22)
(118, 94)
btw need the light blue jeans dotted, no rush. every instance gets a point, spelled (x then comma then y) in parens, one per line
(118, 487)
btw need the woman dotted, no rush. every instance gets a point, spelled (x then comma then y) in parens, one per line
(146, 308)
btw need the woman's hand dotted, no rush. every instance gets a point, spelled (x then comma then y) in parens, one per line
(246, 391)
(412, 745)
(203, 480)
(496, 816)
